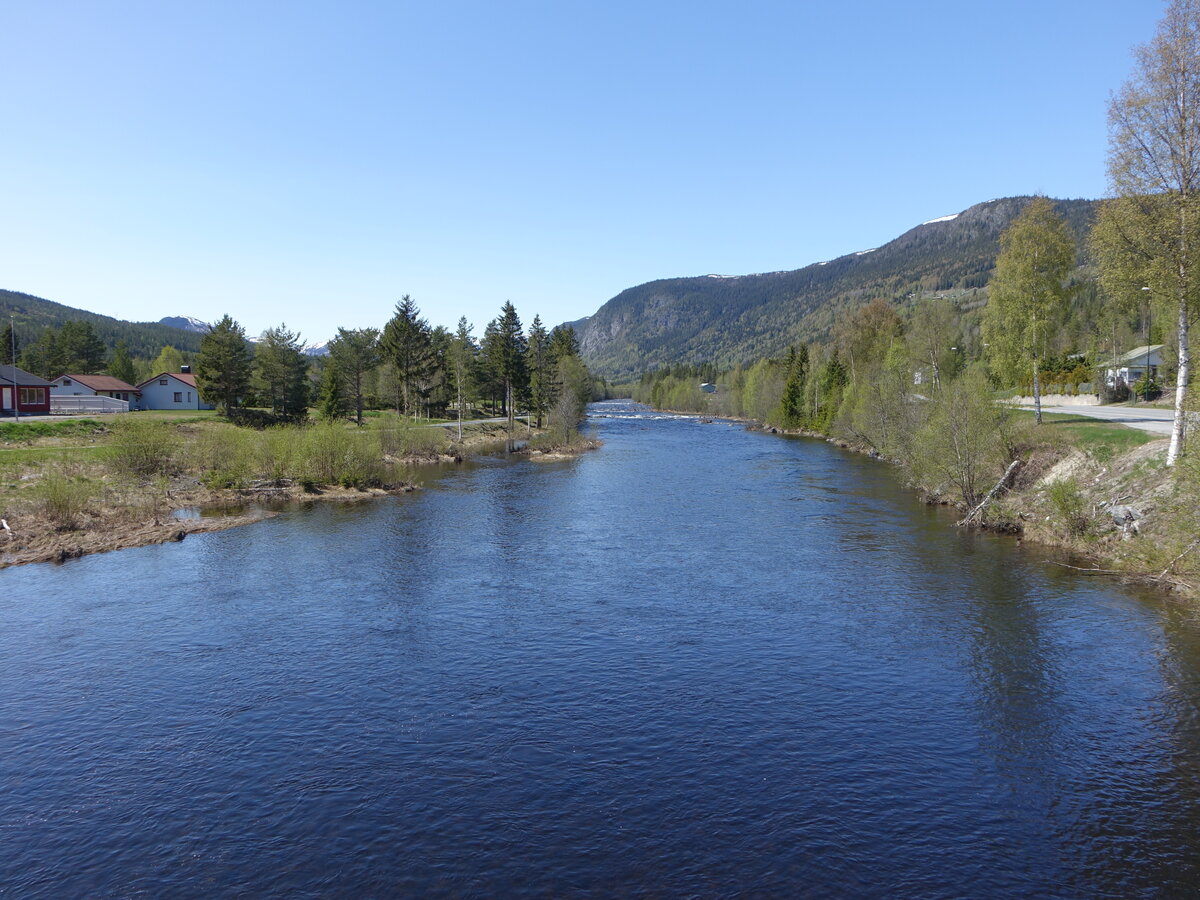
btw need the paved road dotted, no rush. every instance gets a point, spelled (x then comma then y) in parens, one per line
(1157, 421)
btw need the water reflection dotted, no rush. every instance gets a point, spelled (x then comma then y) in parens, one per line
(698, 662)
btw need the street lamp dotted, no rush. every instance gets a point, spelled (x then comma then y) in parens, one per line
(1146, 374)
(12, 369)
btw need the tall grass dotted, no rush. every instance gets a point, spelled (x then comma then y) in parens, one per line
(143, 448)
(330, 453)
(400, 437)
(62, 498)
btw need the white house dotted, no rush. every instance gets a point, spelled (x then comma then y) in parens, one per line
(171, 390)
(93, 386)
(77, 393)
(1131, 366)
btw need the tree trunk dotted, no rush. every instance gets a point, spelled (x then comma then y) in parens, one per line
(1181, 381)
(1037, 394)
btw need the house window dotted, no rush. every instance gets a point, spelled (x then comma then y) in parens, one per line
(189, 396)
(33, 396)
(179, 396)
(163, 382)
(66, 381)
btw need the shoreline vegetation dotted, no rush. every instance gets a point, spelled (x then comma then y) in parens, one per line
(82, 486)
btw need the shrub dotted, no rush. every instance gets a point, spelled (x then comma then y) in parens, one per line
(226, 457)
(1069, 506)
(334, 454)
(62, 498)
(143, 448)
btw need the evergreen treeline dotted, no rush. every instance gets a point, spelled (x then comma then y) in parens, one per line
(407, 365)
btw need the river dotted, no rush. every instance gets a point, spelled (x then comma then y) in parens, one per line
(700, 661)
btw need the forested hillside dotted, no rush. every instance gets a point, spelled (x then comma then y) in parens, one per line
(144, 339)
(728, 320)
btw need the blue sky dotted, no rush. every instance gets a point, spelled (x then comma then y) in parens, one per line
(309, 163)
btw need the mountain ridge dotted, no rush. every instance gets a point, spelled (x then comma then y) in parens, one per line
(32, 314)
(731, 319)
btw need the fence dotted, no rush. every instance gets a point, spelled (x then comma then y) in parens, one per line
(74, 406)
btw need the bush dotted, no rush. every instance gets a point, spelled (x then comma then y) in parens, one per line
(143, 448)
(334, 454)
(1147, 387)
(402, 437)
(225, 457)
(1069, 506)
(62, 498)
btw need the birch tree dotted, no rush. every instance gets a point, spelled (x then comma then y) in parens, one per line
(1027, 292)
(1148, 231)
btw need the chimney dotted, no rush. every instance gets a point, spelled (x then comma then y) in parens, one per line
(184, 370)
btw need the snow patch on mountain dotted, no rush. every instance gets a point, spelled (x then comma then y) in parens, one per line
(942, 219)
(186, 323)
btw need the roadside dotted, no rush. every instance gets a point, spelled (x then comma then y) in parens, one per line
(1152, 419)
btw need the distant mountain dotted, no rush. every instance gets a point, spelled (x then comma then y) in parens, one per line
(145, 339)
(727, 319)
(317, 349)
(186, 323)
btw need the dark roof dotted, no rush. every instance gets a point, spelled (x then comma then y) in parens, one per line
(101, 382)
(9, 374)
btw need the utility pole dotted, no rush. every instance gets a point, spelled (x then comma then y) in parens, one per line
(12, 369)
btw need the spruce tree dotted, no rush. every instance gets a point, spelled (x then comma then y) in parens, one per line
(223, 365)
(793, 391)
(406, 345)
(541, 368)
(121, 365)
(10, 345)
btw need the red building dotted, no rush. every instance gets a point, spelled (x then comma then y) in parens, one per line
(30, 393)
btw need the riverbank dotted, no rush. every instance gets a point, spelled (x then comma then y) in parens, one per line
(72, 489)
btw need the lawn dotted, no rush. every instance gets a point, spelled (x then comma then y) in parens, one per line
(1103, 440)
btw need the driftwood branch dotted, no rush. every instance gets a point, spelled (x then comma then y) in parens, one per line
(1171, 564)
(975, 516)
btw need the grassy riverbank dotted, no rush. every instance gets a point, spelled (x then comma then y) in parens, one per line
(83, 486)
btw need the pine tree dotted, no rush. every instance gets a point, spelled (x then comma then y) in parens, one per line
(223, 365)
(355, 353)
(79, 348)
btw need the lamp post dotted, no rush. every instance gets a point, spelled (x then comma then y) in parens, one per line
(1146, 374)
(12, 369)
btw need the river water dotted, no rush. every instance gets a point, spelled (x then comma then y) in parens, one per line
(698, 662)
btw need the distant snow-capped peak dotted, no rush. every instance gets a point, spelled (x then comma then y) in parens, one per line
(187, 323)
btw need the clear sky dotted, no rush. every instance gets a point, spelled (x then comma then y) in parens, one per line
(309, 163)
